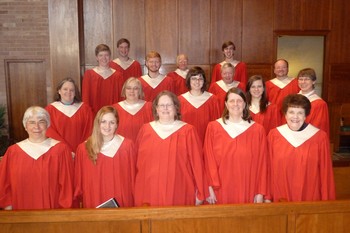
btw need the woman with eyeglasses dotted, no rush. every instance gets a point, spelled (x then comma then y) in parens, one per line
(236, 156)
(169, 158)
(319, 115)
(133, 111)
(198, 107)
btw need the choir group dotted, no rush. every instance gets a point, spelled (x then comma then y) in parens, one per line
(164, 140)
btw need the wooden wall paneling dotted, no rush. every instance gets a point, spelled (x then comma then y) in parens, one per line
(323, 223)
(97, 27)
(226, 24)
(316, 15)
(341, 178)
(25, 86)
(338, 83)
(128, 22)
(257, 33)
(194, 30)
(287, 14)
(64, 41)
(266, 70)
(161, 23)
(340, 35)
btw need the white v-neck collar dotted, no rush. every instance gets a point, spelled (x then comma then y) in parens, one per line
(312, 96)
(296, 138)
(110, 148)
(197, 101)
(182, 73)
(153, 82)
(282, 84)
(164, 130)
(225, 86)
(68, 110)
(132, 108)
(235, 129)
(122, 64)
(35, 150)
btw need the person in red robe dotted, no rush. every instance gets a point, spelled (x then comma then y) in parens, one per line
(301, 163)
(123, 63)
(133, 111)
(154, 82)
(169, 158)
(101, 85)
(319, 115)
(281, 86)
(260, 109)
(71, 119)
(198, 107)
(228, 49)
(236, 156)
(179, 75)
(36, 173)
(105, 164)
(227, 82)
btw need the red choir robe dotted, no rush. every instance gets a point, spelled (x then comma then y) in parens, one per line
(113, 175)
(169, 165)
(220, 89)
(98, 91)
(269, 119)
(199, 110)
(153, 86)
(236, 159)
(37, 176)
(301, 165)
(240, 72)
(277, 90)
(71, 124)
(132, 68)
(319, 115)
(132, 117)
(179, 81)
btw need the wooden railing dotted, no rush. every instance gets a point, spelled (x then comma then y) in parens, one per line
(308, 217)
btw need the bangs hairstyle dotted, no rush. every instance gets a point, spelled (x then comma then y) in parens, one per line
(138, 83)
(296, 101)
(263, 101)
(77, 96)
(307, 72)
(225, 115)
(36, 111)
(95, 141)
(194, 71)
(123, 40)
(226, 44)
(175, 100)
(102, 47)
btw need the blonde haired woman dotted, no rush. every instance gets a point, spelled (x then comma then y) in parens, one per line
(105, 164)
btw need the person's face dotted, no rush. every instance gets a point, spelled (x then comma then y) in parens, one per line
(227, 75)
(36, 128)
(228, 52)
(123, 50)
(235, 105)
(182, 63)
(67, 92)
(197, 82)
(257, 89)
(295, 118)
(108, 125)
(132, 91)
(166, 109)
(280, 69)
(103, 58)
(306, 84)
(153, 64)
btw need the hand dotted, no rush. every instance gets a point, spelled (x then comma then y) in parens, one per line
(8, 207)
(198, 202)
(212, 197)
(259, 198)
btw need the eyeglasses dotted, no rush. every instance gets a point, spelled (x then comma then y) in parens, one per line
(165, 106)
(196, 78)
(302, 79)
(132, 88)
